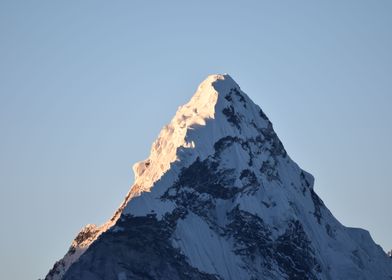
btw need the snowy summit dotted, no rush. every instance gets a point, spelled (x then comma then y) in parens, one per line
(220, 198)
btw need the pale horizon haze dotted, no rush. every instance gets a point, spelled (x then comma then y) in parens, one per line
(86, 86)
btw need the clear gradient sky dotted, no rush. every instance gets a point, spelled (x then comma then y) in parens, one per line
(85, 87)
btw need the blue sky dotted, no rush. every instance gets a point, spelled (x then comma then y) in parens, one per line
(85, 87)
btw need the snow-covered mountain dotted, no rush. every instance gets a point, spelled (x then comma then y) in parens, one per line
(219, 198)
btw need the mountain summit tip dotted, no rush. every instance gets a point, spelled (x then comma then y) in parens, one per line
(221, 82)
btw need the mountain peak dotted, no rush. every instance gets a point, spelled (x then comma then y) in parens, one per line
(220, 82)
(211, 91)
(216, 110)
(219, 198)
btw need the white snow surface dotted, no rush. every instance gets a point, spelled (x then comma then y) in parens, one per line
(206, 250)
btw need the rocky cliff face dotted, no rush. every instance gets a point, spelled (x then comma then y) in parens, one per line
(219, 198)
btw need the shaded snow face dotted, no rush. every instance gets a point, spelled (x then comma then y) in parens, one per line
(140, 250)
(219, 198)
